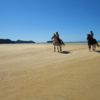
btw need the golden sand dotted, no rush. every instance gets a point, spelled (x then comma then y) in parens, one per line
(35, 72)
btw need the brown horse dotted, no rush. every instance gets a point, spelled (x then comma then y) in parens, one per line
(57, 42)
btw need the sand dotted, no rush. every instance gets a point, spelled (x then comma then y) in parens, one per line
(35, 72)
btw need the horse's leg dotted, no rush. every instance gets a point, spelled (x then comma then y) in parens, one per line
(94, 47)
(54, 48)
(58, 48)
(89, 45)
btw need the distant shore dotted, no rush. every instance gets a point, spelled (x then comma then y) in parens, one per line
(9, 41)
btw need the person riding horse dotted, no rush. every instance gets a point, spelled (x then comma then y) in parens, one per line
(92, 42)
(57, 42)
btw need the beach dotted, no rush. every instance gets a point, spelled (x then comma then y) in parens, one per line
(36, 72)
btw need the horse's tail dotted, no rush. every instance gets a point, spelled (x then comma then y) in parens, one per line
(62, 43)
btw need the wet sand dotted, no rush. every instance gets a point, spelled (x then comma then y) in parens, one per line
(35, 72)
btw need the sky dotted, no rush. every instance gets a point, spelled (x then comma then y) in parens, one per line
(37, 20)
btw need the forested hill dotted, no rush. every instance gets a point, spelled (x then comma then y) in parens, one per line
(8, 41)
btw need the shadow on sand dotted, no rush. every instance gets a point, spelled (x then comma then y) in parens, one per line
(65, 52)
(98, 51)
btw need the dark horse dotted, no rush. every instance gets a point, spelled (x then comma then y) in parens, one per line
(92, 42)
(57, 42)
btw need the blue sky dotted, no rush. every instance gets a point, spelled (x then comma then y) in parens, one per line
(37, 20)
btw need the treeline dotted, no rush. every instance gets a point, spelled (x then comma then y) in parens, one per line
(8, 41)
(49, 42)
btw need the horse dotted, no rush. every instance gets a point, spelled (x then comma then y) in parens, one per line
(57, 42)
(92, 42)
